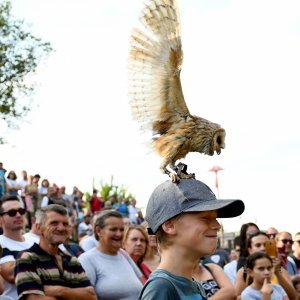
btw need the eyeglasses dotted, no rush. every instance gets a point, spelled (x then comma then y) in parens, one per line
(285, 241)
(13, 212)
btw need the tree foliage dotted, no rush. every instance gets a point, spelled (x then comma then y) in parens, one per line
(110, 189)
(20, 54)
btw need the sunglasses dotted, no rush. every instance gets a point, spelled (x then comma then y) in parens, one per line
(298, 242)
(285, 241)
(13, 212)
(271, 235)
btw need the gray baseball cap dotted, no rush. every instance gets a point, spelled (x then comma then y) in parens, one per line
(188, 195)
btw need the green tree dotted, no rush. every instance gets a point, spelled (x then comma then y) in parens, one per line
(112, 190)
(20, 54)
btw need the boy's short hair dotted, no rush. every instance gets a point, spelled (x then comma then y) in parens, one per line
(170, 199)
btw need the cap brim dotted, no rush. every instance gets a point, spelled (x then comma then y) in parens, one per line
(225, 208)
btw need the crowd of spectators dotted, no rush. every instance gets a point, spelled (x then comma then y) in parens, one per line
(106, 243)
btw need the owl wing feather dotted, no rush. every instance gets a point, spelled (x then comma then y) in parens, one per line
(154, 68)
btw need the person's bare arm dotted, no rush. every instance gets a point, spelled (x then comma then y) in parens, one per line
(285, 281)
(1, 285)
(38, 297)
(239, 283)
(7, 271)
(227, 290)
(61, 292)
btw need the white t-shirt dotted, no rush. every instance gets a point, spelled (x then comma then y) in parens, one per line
(23, 183)
(89, 243)
(32, 237)
(113, 276)
(12, 245)
(132, 213)
(230, 270)
(250, 293)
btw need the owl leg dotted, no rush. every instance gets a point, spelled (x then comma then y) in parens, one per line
(164, 170)
(181, 170)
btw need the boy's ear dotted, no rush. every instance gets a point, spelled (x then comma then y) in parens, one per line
(98, 231)
(169, 227)
(38, 226)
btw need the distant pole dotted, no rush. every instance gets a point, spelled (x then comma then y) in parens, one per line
(216, 169)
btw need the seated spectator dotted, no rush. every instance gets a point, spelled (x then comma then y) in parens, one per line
(256, 243)
(84, 227)
(96, 203)
(12, 218)
(296, 284)
(3, 184)
(247, 229)
(214, 281)
(152, 257)
(34, 236)
(126, 222)
(67, 279)
(112, 272)
(140, 217)
(271, 232)
(89, 242)
(260, 269)
(107, 205)
(219, 257)
(135, 243)
(296, 253)
(284, 243)
(43, 189)
(230, 269)
(12, 184)
(133, 211)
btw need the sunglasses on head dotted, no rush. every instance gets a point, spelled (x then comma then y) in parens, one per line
(285, 241)
(13, 212)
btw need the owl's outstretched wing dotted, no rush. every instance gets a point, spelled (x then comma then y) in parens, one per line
(154, 68)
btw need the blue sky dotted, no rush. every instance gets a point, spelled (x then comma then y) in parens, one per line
(241, 70)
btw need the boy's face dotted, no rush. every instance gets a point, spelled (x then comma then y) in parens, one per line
(197, 232)
(262, 269)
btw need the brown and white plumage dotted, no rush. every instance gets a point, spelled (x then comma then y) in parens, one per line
(157, 99)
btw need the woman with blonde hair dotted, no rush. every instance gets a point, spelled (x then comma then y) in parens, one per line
(136, 243)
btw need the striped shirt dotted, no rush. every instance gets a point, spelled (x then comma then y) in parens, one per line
(36, 268)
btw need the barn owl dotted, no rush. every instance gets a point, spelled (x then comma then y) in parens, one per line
(156, 96)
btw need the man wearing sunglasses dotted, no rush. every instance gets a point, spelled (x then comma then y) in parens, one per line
(284, 244)
(12, 220)
(296, 253)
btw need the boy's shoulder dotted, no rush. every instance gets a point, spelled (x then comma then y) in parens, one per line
(164, 285)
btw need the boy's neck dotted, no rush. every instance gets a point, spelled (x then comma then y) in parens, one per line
(177, 263)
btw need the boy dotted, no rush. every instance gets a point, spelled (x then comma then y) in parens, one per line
(183, 218)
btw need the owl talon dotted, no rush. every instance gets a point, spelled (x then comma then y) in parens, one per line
(175, 178)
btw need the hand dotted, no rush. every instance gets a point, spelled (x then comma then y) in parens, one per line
(267, 288)
(276, 263)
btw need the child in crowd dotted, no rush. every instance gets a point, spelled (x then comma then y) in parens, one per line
(260, 269)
